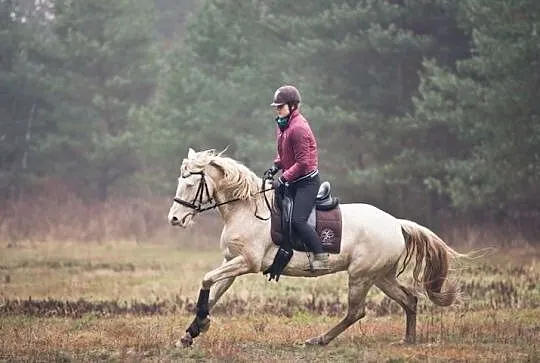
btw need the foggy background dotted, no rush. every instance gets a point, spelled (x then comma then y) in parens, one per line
(428, 109)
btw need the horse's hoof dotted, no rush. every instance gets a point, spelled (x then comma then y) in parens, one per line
(185, 341)
(315, 341)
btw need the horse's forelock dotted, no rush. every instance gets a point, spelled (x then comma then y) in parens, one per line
(197, 162)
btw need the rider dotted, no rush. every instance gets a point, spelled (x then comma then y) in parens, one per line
(298, 159)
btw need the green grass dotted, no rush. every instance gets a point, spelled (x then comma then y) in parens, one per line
(496, 320)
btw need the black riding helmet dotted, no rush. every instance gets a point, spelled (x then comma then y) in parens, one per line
(286, 95)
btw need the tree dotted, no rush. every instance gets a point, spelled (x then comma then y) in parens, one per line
(23, 97)
(105, 66)
(359, 63)
(171, 17)
(356, 64)
(215, 89)
(491, 107)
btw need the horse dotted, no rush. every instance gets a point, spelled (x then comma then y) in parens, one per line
(373, 244)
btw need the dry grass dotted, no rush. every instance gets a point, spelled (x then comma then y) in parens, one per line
(56, 214)
(497, 320)
(249, 338)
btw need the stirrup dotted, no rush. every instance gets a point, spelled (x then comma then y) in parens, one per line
(320, 266)
(317, 264)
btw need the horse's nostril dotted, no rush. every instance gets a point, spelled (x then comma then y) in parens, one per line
(174, 219)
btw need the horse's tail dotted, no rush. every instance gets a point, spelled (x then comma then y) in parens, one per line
(436, 255)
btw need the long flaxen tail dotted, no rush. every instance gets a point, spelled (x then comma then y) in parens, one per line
(434, 256)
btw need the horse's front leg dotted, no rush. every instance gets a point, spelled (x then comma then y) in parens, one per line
(228, 271)
(219, 288)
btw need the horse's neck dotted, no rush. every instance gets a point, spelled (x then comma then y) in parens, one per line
(233, 209)
(243, 212)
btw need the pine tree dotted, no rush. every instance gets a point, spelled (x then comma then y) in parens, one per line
(23, 97)
(215, 89)
(491, 107)
(105, 67)
(358, 63)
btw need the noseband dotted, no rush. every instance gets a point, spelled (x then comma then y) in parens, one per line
(198, 205)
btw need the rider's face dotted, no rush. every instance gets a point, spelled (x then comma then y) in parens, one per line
(282, 110)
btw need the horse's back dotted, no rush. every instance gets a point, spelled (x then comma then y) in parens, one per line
(371, 243)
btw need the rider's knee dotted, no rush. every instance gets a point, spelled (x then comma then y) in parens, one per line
(299, 223)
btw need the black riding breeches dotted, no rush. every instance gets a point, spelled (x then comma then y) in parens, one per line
(304, 193)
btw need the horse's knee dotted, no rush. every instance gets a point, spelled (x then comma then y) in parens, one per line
(207, 282)
(411, 300)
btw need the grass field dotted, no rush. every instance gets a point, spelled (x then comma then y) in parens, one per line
(125, 301)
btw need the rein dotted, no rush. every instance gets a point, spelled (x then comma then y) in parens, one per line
(198, 205)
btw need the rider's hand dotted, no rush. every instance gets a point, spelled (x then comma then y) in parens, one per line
(270, 172)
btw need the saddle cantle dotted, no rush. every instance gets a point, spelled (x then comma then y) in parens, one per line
(325, 218)
(324, 200)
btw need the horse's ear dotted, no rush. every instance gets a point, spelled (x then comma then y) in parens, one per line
(191, 153)
(222, 152)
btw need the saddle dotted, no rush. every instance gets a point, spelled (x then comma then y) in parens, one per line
(325, 218)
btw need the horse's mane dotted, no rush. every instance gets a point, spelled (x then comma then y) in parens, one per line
(238, 180)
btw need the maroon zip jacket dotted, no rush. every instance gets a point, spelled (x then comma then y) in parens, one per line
(297, 148)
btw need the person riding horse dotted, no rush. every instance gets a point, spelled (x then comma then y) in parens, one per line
(373, 245)
(297, 158)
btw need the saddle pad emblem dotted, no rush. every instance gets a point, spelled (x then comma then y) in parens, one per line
(327, 236)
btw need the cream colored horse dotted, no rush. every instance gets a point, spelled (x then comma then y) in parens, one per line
(373, 244)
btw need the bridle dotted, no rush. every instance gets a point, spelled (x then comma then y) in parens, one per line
(198, 205)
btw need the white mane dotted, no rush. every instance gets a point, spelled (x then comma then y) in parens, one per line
(237, 180)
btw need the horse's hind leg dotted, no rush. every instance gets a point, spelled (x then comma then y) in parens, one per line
(358, 288)
(404, 297)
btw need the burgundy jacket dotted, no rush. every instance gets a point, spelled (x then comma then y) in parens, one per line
(297, 148)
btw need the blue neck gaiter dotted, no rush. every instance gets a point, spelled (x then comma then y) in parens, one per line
(283, 122)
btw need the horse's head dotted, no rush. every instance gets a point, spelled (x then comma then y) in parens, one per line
(209, 180)
(195, 190)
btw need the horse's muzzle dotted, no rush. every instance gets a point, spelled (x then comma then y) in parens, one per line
(181, 222)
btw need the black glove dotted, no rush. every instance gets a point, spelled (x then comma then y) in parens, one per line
(270, 172)
(282, 258)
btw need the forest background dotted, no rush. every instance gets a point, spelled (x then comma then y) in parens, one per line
(428, 109)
